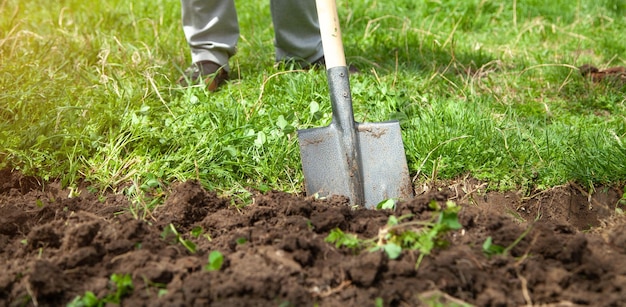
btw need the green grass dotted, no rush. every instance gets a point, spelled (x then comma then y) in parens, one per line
(485, 88)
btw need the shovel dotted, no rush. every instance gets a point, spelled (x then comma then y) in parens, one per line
(362, 161)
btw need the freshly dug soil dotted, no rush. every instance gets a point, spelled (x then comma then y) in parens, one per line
(567, 249)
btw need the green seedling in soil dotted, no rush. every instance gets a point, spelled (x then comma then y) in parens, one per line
(397, 235)
(170, 231)
(197, 231)
(144, 195)
(436, 298)
(491, 249)
(162, 288)
(123, 286)
(216, 259)
(339, 238)
(309, 225)
(389, 204)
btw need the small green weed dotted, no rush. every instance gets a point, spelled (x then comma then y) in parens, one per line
(436, 298)
(170, 231)
(123, 286)
(398, 235)
(216, 259)
(145, 193)
(491, 249)
(389, 204)
(150, 285)
(339, 238)
(197, 232)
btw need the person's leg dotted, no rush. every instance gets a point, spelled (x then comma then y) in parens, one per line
(296, 29)
(211, 29)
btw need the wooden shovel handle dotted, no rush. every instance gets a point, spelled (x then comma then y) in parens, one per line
(331, 33)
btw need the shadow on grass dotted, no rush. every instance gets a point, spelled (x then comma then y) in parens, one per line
(419, 59)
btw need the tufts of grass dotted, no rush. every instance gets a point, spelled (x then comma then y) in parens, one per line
(486, 88)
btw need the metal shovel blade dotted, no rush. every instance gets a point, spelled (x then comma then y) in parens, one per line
(364, 161)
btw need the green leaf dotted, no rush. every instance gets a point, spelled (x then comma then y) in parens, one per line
(314, 107)
(451, 205)
(261, 138)
(152, 183)
(492, 249)
(124, 284)
(216, 259)
(392, 221)
(409, 239)
(169, 230)
(90, 299)
(289, 129)
(281, 122)
(191, 247)
(264, 188)
(231, 151)
(393, 250)
(76, 302)
(339, 238)
(335, 236)
(450, 219)
(387, 204)
(196, 231)
(433, 204)
(426, 242)
(87, 300)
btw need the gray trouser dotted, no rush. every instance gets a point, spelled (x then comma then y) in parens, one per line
(212, 30)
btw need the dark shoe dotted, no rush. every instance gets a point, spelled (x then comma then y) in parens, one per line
(610, 74)
(212, 74)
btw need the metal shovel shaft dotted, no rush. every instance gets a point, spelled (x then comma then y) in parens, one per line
(343, 121)
(364, 162)
(340, 96)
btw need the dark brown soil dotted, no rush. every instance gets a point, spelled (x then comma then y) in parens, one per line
(54, 248)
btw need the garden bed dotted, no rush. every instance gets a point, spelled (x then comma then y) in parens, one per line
(563, 247)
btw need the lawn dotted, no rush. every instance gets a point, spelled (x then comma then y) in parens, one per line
(119, 186)
(489, 90)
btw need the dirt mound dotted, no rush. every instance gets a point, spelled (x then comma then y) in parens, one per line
(54, 248)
